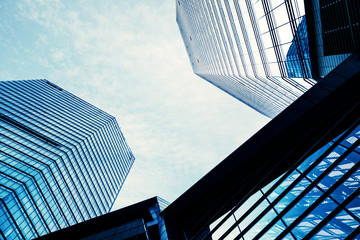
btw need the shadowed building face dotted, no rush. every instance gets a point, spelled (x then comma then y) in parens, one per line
(140, 221)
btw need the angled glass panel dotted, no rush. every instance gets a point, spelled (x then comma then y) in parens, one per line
(339, 227)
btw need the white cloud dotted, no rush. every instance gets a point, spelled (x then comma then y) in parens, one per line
(57, 56)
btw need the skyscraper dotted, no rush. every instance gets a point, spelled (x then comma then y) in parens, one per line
(62, 160)
(257, 51)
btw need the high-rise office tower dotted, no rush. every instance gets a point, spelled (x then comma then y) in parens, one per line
(62, 160)
(257, 51)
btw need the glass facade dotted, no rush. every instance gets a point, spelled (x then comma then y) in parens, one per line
(62, 160)
(319, 198)
(246, 48)
(296, 66)
(158, 219)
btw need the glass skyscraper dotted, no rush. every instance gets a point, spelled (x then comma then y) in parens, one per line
(257, 51)
(62, 160)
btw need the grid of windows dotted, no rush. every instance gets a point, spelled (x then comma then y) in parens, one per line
(295, 66)
(242, 47)
(158, 219)
(319, 198)
(343, 34)
(62, 160)
(329, 29)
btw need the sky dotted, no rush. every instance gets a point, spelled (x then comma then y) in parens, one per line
(128, 59)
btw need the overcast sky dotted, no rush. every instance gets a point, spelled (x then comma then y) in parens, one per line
(128, 59)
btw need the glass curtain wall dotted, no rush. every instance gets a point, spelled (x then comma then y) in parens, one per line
(243, 48)
(62, 160)
(318, 199)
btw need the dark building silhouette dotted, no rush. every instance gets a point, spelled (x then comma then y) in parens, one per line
(62, 160)
(333, 30)
(340, 22)
(141, 221)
